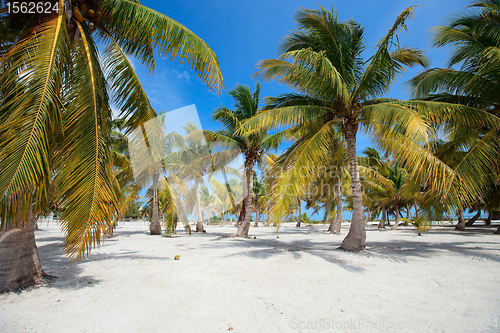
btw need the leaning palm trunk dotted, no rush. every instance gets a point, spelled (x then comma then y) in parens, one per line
(155, 226)
(245, 225)
(337, 223)
(199, 217)
(474, 218)
(381, 225)
(355, 239)
(396, 222)
(19, 263)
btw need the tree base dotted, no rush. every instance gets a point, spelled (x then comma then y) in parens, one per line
(19, 262)
(199, 227)
(243, 229)
(335, 226)
(155, 228)
(354, 245)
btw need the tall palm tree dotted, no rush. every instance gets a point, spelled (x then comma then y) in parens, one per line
(337, 89)
(471, 79)
(55, 115)
(253, 144)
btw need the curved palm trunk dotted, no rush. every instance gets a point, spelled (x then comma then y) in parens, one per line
(474, 218)
(396, 222)
(155, 226)
(199, 217)
(461, 221)
(381, 225)
(245, 225)
(337, 223)
(355, 239)
(19, 263)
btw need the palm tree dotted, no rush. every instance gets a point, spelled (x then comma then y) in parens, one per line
(471, 79)
(337, 89)
(392, 183)
(326, 177)
(56, 133)
(258, 191)
(253, 144)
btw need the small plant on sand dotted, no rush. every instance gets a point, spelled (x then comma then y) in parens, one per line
(420, 223)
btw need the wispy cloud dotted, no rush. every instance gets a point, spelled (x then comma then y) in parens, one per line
(184, 75)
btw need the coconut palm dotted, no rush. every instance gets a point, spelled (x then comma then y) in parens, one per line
(338, 89)
(471, 79)
(55, 114)
(253, 144)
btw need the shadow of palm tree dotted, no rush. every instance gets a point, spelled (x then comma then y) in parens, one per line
(62, 274)
(266, 248)
(400, 249)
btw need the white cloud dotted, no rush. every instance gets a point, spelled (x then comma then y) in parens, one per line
(184, 75)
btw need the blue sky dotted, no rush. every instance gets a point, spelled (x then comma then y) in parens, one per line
(243, 32)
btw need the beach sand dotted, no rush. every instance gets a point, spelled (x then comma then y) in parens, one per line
(443, 281)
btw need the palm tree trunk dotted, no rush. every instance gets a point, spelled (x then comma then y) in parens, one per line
(407, 215)
(256, 224)
(490, 216)
(396, 222)
(155, 226)
(337, 223)
(300, 214)
(381, 225)
(355, 239)
(19, 263)
(245, 225)
(461, 221)
(199, 218)
(474, 218)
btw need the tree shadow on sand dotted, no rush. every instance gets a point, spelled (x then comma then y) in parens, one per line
(266, 248)
(64, 275)
(421, 248)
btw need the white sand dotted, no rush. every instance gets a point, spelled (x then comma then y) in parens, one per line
(444, 281)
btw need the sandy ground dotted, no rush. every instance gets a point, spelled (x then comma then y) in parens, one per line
(443, 281)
